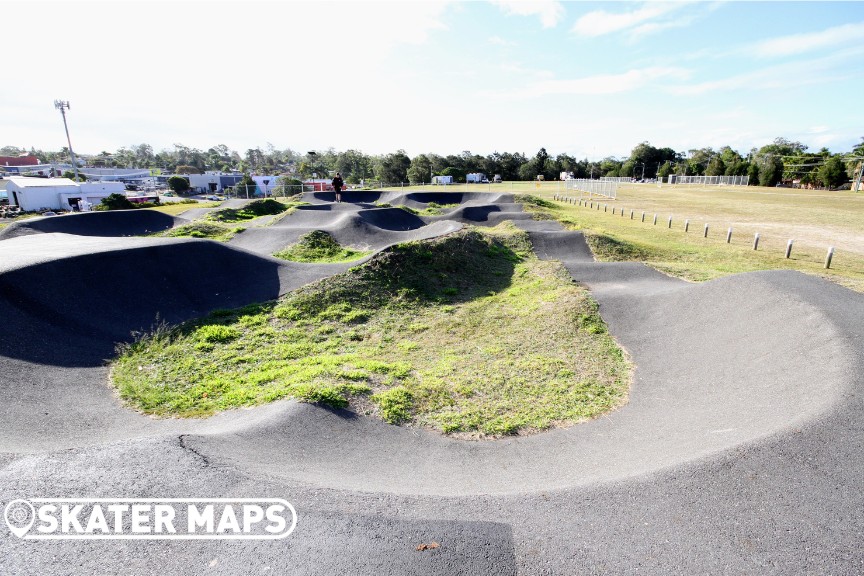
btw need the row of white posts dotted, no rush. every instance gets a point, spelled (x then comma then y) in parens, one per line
(588, 203)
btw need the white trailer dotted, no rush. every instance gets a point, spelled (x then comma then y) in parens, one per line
(442, 179)
(476, 178)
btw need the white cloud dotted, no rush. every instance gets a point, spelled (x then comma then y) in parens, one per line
(601, 84)
(780, 77)
(549, 11)
(516, 69)
(601, 22)
(810, 41)
(498, 41)
(642, 30)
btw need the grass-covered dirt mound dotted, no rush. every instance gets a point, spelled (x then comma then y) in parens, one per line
(469, 333)
(611, 249)
(432, 209)
(203, 229)
(532, 200)
(318, 246)
(252, 210)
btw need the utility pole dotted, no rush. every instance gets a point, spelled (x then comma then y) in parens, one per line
(63, 106)
(858, 177)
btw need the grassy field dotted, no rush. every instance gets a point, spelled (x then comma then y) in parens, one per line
(814, 219)
(468, 334)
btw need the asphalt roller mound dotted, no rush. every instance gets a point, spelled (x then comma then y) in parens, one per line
(688, 401)
(702, 385)
(109, 223)
(738, 452)
(366, 229)
(63, 322)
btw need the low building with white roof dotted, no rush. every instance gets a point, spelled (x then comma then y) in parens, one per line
(38, 194)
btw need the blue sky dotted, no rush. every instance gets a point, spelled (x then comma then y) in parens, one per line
(591, 79)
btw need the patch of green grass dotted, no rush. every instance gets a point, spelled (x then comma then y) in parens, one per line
(534, 201)
(431, 209)
(252, 210)
(202, 229)
(468, 334)
(177, 207)
(435, 209)
(318, 246)
(395, 404)
(609, 248)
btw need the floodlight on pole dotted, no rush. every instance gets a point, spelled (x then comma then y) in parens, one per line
(63, 106)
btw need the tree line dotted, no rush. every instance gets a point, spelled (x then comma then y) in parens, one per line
(782, 160)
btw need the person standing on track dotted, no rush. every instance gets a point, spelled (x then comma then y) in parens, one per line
(338, 183)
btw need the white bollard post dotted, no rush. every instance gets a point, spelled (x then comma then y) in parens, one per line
(670, 222)
(655, 219)
(729, 235)
(788, 248)
(756, 241)
(706, 231)
(829, 257)
(686, 225)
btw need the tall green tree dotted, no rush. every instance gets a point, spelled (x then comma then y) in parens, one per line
(420, 170)
(354, 166)
(609, 166)
(770, 169)
(665, 170)
(528, 170)
(178, 184)
(540, 163)
(716, 166)
(393, 168)
(832, 173)
(458, 174)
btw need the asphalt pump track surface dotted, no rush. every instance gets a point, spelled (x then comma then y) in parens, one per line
(739, 451)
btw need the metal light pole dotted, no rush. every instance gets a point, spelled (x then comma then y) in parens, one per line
(63, 106)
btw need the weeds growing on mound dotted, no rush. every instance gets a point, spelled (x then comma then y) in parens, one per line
(201, 229)
(252, 210)
(468, 333)
(432, 209)
(318, 246)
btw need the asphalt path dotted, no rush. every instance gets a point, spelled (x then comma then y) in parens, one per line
(739, 451)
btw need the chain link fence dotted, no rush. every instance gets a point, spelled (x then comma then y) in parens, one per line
(710, 180)
(603, 187)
